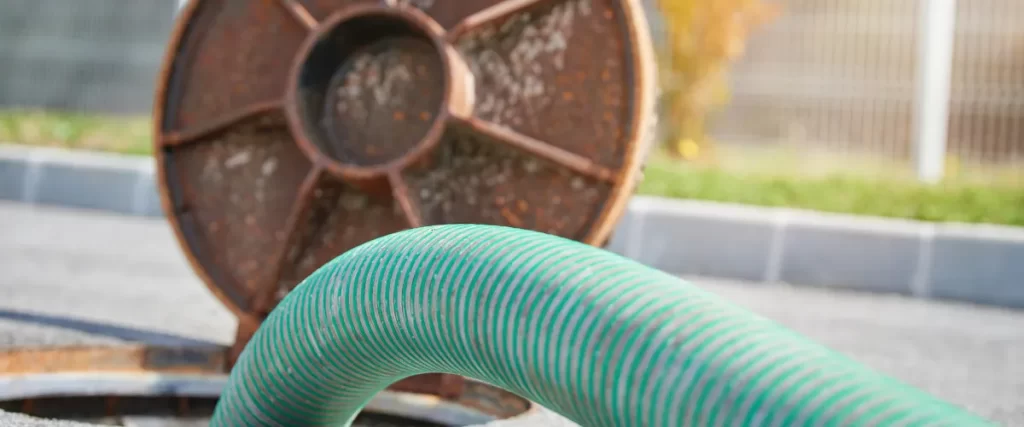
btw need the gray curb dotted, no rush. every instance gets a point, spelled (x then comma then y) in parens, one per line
(122, 184)
(972, 263)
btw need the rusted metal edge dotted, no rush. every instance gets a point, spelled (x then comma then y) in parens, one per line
(485, 404)
(171, 206)
(263, 298)
(300, 13)
(135, 359)
(85, 384)
(426, 407)
(197, 371)
(446, 386)
(140, 359)
(219, 124)
(543, 150)
(644, 96)
(486, 16)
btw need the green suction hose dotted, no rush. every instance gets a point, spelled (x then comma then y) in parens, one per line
(596, 337)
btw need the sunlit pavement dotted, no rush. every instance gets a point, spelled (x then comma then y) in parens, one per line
(97, 268)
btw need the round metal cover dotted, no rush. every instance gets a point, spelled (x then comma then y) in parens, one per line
(289, 131)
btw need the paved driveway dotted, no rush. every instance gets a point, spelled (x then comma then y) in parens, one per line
(127, 271)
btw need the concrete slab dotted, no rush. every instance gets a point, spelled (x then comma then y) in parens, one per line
(876, 256)
(984, 268)
(685, 238)
(12, 178)
(85, 186)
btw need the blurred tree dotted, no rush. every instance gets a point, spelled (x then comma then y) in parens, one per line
(702, 38)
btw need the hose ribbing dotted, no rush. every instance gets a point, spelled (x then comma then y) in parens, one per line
(596, 337)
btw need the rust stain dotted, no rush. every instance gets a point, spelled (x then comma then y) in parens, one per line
(133, 358)
(368, 102)
(473, 180)
(491, 400)
(512, 219)
(446, 385)
(235, 60)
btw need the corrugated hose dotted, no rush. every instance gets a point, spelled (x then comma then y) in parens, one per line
(596, 337)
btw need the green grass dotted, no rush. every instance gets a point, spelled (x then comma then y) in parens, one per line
(747, 177)
(128, 134)
(972, 202)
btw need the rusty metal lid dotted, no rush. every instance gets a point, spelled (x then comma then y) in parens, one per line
(289, 131)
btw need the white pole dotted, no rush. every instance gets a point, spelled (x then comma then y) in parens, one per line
(934, 72)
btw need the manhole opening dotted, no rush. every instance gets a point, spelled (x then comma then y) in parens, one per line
(155, 411)
(371, 89)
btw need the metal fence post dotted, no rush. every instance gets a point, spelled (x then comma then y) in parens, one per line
(934, 72)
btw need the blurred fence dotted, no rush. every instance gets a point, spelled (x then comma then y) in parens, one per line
(837, 82)
(828, 82)
(82, 55)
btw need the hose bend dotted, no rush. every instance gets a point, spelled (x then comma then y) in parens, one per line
(596, 337)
